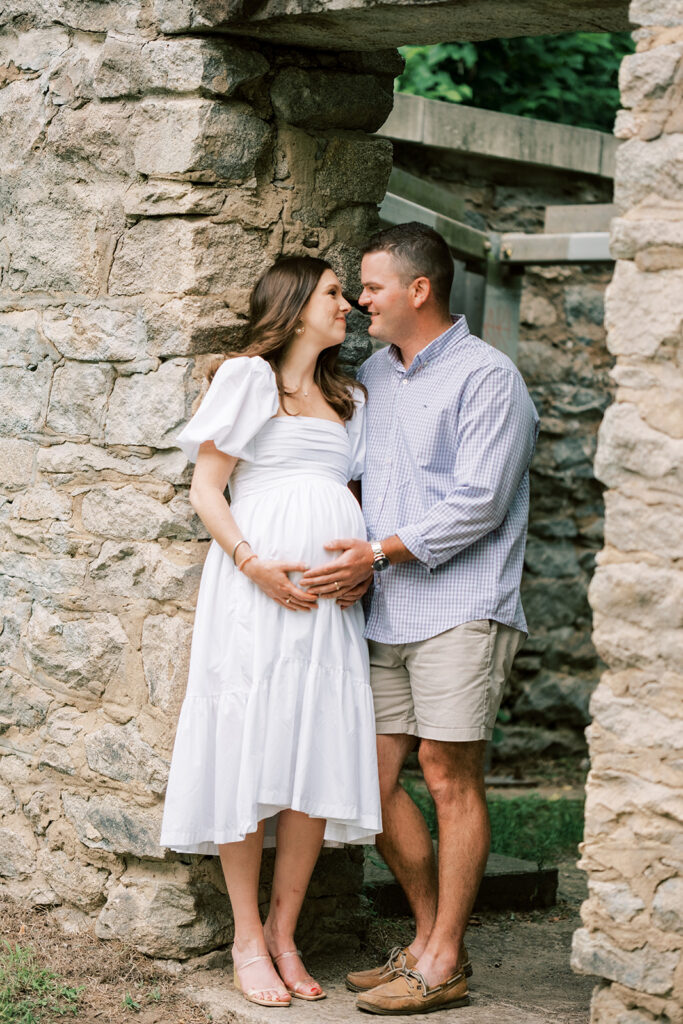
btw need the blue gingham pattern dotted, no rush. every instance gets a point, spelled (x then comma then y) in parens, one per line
(449, 442)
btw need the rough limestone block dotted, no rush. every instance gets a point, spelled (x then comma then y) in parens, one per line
(192, 325)
(23, 397)
(647, 168)
(644, 523)
(617, 899)
(119, 752)
(16, 464)
(42, 502)
(636, 724)
(170, 254)
(20, 340)
(70, 461)
(625, 645)
(34, 49)
(667, 906)
(85, 654)
(629, 237)
(96, 136)
(166, 644)
(642, 311)
(127, 68)
(104, 822)
(199, 139)
(46, 576)
(331, 99)
(355, 170)
(129, 513)
(644, 77)
(79, 884)
(150, 408)
(629, 451)
(648, 596)
(17, 861)
(163, 918)
(645, 969)
(147, 571)
(656, 12)
(95, 332)
(78, 399)
(21, 704)
(161, 198)
(24, 117)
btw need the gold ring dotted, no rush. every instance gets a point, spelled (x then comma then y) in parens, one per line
(336, 583)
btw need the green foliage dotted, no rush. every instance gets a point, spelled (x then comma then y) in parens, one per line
(29, 993)
(569, 78)
(529, 827)
(535, 829)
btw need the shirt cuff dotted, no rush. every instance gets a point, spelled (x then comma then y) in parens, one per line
(411, 539)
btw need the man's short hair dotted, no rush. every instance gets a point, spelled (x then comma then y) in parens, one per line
(419, 251)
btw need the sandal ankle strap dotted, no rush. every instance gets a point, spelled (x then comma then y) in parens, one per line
(288, 952)
(252, 960)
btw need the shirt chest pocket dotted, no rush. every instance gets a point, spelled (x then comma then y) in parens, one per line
(428, 437)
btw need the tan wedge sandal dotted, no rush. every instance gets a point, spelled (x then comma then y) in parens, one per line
(250, 994)
(296, 990)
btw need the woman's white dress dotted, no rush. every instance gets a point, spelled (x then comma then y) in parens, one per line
(278, 711)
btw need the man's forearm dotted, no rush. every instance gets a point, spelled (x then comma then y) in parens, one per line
(396, 551)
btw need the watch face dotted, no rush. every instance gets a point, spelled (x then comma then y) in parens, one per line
(382, 562)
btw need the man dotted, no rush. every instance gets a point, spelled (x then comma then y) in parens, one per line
(451, 430)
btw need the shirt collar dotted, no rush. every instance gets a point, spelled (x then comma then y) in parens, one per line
(456, 332)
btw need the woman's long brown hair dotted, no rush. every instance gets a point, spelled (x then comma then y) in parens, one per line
(275, 307)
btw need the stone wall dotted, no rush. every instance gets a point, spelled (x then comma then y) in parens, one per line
(633, 849)
(145, 181)
(565, 362)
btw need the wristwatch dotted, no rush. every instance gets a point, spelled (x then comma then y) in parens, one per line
(380, 561)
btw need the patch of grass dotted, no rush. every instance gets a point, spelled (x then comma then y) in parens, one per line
(28, 992)
(529, 827)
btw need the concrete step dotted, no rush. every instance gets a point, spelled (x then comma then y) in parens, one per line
(508, 884)
(227, 1006)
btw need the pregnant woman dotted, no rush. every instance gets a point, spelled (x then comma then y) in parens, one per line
(276, 740)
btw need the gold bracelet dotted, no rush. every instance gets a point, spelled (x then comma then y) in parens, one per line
(245, 560)
(243, 541)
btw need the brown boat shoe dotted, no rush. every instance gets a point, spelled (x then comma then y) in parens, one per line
(409, 993)
(399, 959)
(363, 981)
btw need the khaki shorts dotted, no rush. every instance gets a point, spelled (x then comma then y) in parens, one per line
(448, 687)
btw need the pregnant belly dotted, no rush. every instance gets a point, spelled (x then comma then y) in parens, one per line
(294, 522)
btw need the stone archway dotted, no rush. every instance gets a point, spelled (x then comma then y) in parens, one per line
(121, 201)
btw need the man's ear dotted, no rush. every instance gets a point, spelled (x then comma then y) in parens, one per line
(420, 291)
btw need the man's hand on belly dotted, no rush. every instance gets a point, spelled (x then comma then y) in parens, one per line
(343, 575)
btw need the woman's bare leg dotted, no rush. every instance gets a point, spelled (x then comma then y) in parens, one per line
(299, 839)
(241, 864)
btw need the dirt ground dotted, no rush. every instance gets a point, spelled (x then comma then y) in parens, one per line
(521, 967)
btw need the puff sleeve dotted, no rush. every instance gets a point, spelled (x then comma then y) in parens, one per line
(242, 397)
(356, 431)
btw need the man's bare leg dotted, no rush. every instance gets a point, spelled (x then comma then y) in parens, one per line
(405, 843)
(454, 773)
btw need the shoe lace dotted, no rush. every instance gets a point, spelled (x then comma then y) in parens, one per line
(408, 972)
(396, 961)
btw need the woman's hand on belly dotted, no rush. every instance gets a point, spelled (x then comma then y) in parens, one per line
(272, 578)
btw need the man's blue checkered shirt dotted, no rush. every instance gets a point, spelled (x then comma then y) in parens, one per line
(449, 442)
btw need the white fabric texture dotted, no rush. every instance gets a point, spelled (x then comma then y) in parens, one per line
(278, 711)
